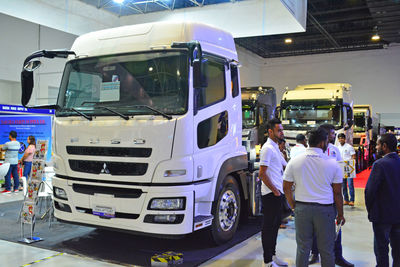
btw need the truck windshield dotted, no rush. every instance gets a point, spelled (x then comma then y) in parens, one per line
(125, 83)
(359, 122)
(308, 114)
(249, 115)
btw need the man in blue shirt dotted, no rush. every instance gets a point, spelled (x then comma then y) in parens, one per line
(382, 200)
(11, 157)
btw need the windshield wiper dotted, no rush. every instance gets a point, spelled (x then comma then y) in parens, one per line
(81, 113)
(115, 112)
(169, 117)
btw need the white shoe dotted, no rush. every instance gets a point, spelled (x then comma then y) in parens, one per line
(270, 264)
(279, 261)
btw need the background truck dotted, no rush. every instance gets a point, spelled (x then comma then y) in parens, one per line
(258, 107)
(308, 106)
(365, 135)
(365, 125)
(148, 129)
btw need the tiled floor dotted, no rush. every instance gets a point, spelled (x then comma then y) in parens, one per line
(15, 254)
(357, 247)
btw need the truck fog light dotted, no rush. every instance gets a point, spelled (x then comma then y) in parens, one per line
(164, 218)
(167, 204)
(173, 173)
(60, 193)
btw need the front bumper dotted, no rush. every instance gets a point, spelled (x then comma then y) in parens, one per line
(130, 211)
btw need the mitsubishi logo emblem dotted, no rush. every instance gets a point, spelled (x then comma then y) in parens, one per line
(105, 169)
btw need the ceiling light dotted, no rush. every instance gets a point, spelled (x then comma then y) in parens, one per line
(288, 41)
(375, 37)
(119, 1)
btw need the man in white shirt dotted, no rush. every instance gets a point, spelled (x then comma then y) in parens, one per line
(300, 147)
(347, 152)
(331, 152)
(318, 189)
(271, 171)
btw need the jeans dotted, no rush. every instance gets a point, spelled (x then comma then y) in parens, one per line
(337, 249)
(383, 235)
(14, 170)
(272, 207)
(315, 220)
(351, 189)
(27, 169)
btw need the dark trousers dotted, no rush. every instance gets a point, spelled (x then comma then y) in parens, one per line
(348, 181)
(14, 171)
(272, 207)
(337, 249)
(27, 169)
(383, 235)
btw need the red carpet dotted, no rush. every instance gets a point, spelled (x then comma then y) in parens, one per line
(361, 179)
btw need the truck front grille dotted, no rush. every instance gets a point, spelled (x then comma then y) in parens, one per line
(108, 167)
(118, 192)
(136, 152)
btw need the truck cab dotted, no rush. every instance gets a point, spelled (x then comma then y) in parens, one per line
(147, 130)
(308, 106)
(258, 107)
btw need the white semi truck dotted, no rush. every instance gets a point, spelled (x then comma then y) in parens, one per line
(148, 131)
(308, 106)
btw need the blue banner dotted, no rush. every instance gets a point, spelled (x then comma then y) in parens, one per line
(38, 126)
(21, 109)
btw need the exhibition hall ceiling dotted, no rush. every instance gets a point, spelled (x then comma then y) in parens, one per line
(132, 7)
(334, 26)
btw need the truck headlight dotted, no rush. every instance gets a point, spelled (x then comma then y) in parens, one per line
(167, 204)
(60, 193)
(173, 173)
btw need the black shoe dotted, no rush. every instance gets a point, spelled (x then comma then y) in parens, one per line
(343, 263)
(313, 259)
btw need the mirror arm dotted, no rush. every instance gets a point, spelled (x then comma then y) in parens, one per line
(49, 54)
(192, 45)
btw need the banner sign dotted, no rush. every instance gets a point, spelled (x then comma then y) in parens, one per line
(38, 126)
(21, 109)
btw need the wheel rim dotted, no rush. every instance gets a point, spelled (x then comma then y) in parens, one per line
(228, 210)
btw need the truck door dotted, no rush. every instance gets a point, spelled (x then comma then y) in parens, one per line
(211, 123)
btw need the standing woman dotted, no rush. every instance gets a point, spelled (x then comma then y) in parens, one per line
(27, 158)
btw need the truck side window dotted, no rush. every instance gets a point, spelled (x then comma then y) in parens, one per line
(212, 130)
(234, 80)
(215, 91)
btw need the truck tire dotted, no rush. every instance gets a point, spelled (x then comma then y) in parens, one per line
(226, 211)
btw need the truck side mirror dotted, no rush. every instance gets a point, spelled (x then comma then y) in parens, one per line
(27, 86)
(200, 71)
(369, 126)
(27, 80)
(277, 112)
(32, 65)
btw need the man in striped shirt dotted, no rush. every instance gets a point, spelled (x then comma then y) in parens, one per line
(12, 147)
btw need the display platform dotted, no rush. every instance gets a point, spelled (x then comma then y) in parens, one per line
(118, 247)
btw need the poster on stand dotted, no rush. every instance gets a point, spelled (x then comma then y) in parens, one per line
(37, 170)
(28, 213)
(349, 168)
(41, 149)
(32, 192)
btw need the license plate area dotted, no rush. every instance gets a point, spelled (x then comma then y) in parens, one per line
(104, 212)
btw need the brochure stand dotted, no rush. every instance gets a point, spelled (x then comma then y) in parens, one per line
(35, 183)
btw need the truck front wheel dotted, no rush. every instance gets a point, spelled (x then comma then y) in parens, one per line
(226, 211)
